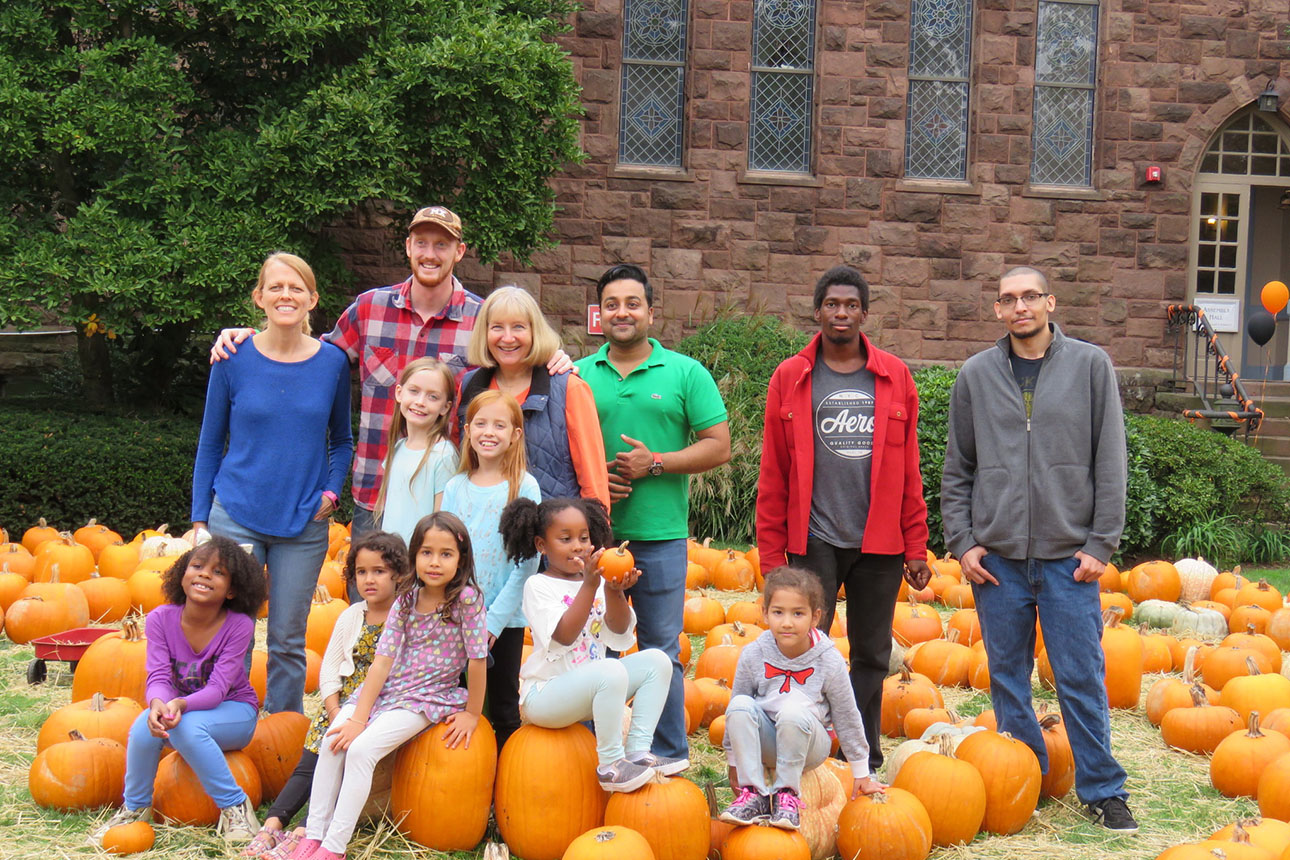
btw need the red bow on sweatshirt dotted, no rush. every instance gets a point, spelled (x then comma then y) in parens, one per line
(799, 676)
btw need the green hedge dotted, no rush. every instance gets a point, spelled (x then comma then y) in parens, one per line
(129, 472)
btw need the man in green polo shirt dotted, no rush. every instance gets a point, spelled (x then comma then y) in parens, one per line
(663, 420)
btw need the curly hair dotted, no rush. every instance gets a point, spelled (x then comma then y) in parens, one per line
(524, 521)
(246, 582)
(803, 582)
(392, 550)
(452, 524)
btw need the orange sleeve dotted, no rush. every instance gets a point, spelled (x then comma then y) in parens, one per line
(586, 444)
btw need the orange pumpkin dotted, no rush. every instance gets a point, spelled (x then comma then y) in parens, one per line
(15, 558)
(331, 577)
(1278, 628)
(78, 773)
(746, 612)
(739, 634)
(178, 796)
(716, 697)
(1273, 790)
(1169, 693)
(945, 661)
(892, 824)
(616, 563)
(1268, 833)
(696, 575)
(1223, 664)
(547, 793)
(733, 573)
(1257, 691)
(38, 534)
(609, 843)
(717, 731)
(73, 561)
(145, 583)
(95, 717)
(903, 692)
(94, 536)
(430, 778)
(108, 598)
(1154, 580)
(114, 665)
(129, 838)
(672, 815)
(323, 612)
(1249, 616)
(1011, 775)
(12, 585)
(952, 791)
(33, 616)
(765, 843)
(914, 622)
(718, 661)
(918, 720)
(701, 614)
(1122, 647)
(276, 747)
(1259, 594)
(1240, 758)
(1200, 728)
(1061, 760)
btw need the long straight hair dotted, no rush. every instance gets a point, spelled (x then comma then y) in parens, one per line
(399, 428)
(514, 462)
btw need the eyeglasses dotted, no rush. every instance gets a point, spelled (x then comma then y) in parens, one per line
(1029, 300)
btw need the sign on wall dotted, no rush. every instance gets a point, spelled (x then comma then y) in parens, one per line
(593, 319)
(1224, 314)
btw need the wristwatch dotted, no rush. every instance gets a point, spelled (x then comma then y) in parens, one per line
(656, 468)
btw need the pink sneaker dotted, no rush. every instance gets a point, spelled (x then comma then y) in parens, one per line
(285, 846)
(324, 854)
(306, 849)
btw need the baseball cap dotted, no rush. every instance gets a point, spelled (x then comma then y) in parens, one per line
(440, 216)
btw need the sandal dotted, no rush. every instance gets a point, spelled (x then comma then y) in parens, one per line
(264, 841)
(287, 842)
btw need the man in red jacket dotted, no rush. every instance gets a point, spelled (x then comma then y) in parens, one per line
(840, 493)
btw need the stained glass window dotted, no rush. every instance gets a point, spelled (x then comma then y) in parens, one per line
(783, 78)
(1065, 76)
(1248, 146)
(940, 61)
(651, 110)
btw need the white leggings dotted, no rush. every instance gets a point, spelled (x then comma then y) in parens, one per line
(343, 780)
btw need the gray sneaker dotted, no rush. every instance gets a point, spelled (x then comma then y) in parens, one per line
(662, 765)
(785, 810)
(120, 817)
(749, 807)
(238, 823)
(623, 775)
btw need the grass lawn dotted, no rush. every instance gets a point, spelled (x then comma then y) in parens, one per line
(1170, 790)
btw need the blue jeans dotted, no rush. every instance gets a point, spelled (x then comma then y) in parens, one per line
(659, 600)
(293, 565)
(201, 737)
(1071, 615)
(793, 742)
(600, 689)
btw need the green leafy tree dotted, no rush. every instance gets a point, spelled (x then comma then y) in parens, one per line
(151, 154)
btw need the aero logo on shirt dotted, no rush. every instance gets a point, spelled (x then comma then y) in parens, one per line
(844, 423)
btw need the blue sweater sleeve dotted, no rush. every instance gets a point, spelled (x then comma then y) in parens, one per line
(505, 611)
(210, 444)
(340, 433)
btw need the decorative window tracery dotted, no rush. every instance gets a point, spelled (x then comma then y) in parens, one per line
(940, 62)
(783, 76)
(652, 107)
(1065, 79)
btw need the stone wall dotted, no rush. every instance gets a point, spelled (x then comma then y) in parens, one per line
(1171, 73)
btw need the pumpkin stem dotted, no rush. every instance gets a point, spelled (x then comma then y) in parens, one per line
(1240, 834)
(605, 835)
(879, 797)
(1111, 616)
(711, 794)
(130, 629)
(946, 746)
(1254, 726)
(1250, 664)
(75, 735)
(1189, 666)
(322, 595)
(622, 547)
(1198, 697)
(41, 523)
(1048, 721)
(97, 702)
(53, 572)
(906, 671)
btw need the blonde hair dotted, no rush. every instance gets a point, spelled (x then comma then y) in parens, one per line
(514, 461)
(300, 267)
(398, 428)
(521, 303)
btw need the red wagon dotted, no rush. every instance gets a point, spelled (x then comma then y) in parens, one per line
(68, 646)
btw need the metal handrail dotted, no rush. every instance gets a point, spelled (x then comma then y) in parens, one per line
(1208, 366)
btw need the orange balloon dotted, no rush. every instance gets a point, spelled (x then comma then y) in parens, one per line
(1275, 295)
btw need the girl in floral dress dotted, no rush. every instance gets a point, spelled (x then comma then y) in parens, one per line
(432, 634)
(377, 567)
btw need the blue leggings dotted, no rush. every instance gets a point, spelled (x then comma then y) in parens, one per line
(201, 737)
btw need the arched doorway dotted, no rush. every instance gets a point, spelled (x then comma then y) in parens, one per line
(1240, 236)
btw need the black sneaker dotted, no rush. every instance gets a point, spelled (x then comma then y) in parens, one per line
(1113, 814)
(749, 807)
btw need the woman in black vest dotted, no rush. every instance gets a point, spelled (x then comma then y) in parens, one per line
(511, 343)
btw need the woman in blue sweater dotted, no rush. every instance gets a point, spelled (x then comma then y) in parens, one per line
(282, 409)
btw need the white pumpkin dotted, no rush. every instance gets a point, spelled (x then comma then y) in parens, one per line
(1197, 576)
(1201, 623)
(929, 742)
(1156, 613)
(897, 658)
(163, 544)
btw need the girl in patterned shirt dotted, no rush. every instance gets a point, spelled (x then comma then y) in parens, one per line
(433, 633)
(377, 566)
(576, 614)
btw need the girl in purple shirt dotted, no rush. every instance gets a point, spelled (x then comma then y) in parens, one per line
(199, 699)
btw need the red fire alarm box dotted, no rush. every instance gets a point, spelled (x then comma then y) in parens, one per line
(1154, 173)
(593, 319)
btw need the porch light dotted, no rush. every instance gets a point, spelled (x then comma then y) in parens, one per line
(1269, 101)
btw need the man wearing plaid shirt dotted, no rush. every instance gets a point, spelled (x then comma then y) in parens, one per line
(429, 314)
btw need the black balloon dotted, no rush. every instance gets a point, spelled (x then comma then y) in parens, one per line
(1260, 326)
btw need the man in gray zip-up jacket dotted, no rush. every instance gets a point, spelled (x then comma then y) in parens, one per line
(1032, 499)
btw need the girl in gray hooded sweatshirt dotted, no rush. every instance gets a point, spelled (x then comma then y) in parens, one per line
(791, 683)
